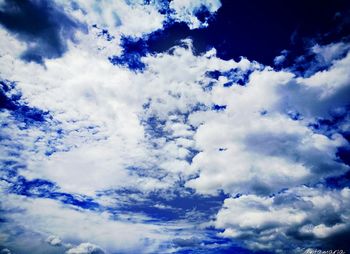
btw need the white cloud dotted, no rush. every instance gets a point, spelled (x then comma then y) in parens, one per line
(54, 240)
(134, 18)
(99, 108)
(119, 17)
(71, 224)
(263, 153)
(86, 248)
(185, 10)
(329, 82)
(251, 147)
(325, 54)
(288, 217)
(278, 60)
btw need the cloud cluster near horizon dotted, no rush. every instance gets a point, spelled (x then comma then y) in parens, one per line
(85, 139)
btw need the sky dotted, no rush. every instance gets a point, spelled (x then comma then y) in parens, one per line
(182, 126)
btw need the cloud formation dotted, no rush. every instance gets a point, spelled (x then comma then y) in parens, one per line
(86, 248)
(189, 150)
(301, 216)
(41, 25)
(268, 141)
(188, 11)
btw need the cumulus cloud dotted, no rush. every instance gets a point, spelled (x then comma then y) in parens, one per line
(300, 216)
(85, 248)
(186, 122)
(329, 83)
(131, 18)
(268, 147)
(103, 118)
(63, 21)
(112, 118)
(54, 240)
(279, 60)
(71, 224)
(187, 11)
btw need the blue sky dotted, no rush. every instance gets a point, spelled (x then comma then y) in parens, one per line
(180, 126)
